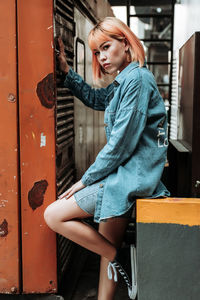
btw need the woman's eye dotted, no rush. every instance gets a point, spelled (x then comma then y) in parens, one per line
(96, 53)
(106, 47)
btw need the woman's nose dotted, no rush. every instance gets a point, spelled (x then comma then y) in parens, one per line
(102, 56)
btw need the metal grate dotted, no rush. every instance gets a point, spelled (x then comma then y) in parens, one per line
(65, 118)
(65, 177)
(174, 98)
(64, 27)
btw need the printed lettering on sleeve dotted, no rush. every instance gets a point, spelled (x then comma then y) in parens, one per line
(162, 139)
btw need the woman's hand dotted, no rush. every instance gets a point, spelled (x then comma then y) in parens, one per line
(64, 67)
(73, 189)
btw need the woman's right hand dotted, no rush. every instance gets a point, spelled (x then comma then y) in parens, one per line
(73, 189)
(64, 67)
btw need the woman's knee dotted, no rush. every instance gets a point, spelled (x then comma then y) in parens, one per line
(50, 216)
(60, 211)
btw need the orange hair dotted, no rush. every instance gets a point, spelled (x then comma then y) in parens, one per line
(112, 27)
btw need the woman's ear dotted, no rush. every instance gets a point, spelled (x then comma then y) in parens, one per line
(126, 44)
(127, 50)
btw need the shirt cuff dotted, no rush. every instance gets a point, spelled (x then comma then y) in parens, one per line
(86, 180)
(69, 77)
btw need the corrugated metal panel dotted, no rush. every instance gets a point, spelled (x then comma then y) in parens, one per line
(89, 124)
(65, 118)
(64, 26)
(174, 98)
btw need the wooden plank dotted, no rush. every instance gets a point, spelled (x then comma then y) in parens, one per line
(37, 140)
(9, 217)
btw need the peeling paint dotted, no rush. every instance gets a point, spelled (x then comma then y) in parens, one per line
(36, 194)
(11, 98)
(42, 140)
(13, 289)
(45, 91)
(4, 228)
(33, 135)
(49, 27)
(3, 203)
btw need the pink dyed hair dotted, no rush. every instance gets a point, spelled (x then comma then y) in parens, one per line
(112, 27)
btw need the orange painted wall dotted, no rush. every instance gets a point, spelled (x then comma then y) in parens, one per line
(37, 143)
(9, 220)
(183, 211)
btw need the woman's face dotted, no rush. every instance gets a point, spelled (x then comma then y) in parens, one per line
(112, 55)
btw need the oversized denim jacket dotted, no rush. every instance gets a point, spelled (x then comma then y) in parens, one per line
(135, 120)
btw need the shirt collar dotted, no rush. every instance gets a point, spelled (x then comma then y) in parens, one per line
(120, 77)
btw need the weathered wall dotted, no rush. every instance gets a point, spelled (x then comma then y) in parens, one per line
(187, 21)
(168, 242)
(101, 8)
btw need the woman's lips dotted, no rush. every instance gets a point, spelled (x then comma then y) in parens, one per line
(106, 65)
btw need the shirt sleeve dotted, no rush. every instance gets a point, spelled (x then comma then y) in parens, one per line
(91, 97)
(126, 132)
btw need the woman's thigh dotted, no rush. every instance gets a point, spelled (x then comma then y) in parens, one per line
(64, 210)
(113, 230)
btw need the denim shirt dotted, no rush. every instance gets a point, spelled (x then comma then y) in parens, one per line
(135, 120)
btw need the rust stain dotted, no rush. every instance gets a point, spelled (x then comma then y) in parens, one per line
(3, 203)
(13, 289)
(45, 91)
(36, 194)
(4, 228)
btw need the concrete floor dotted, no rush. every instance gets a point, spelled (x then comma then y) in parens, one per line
(88, 282)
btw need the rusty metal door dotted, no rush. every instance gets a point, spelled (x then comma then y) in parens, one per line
(9, 210)
(37, 143)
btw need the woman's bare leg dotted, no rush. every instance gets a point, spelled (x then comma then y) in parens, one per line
(113, 230)
(62, 217)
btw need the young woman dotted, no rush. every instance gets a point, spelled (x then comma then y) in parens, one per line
(132, 161)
